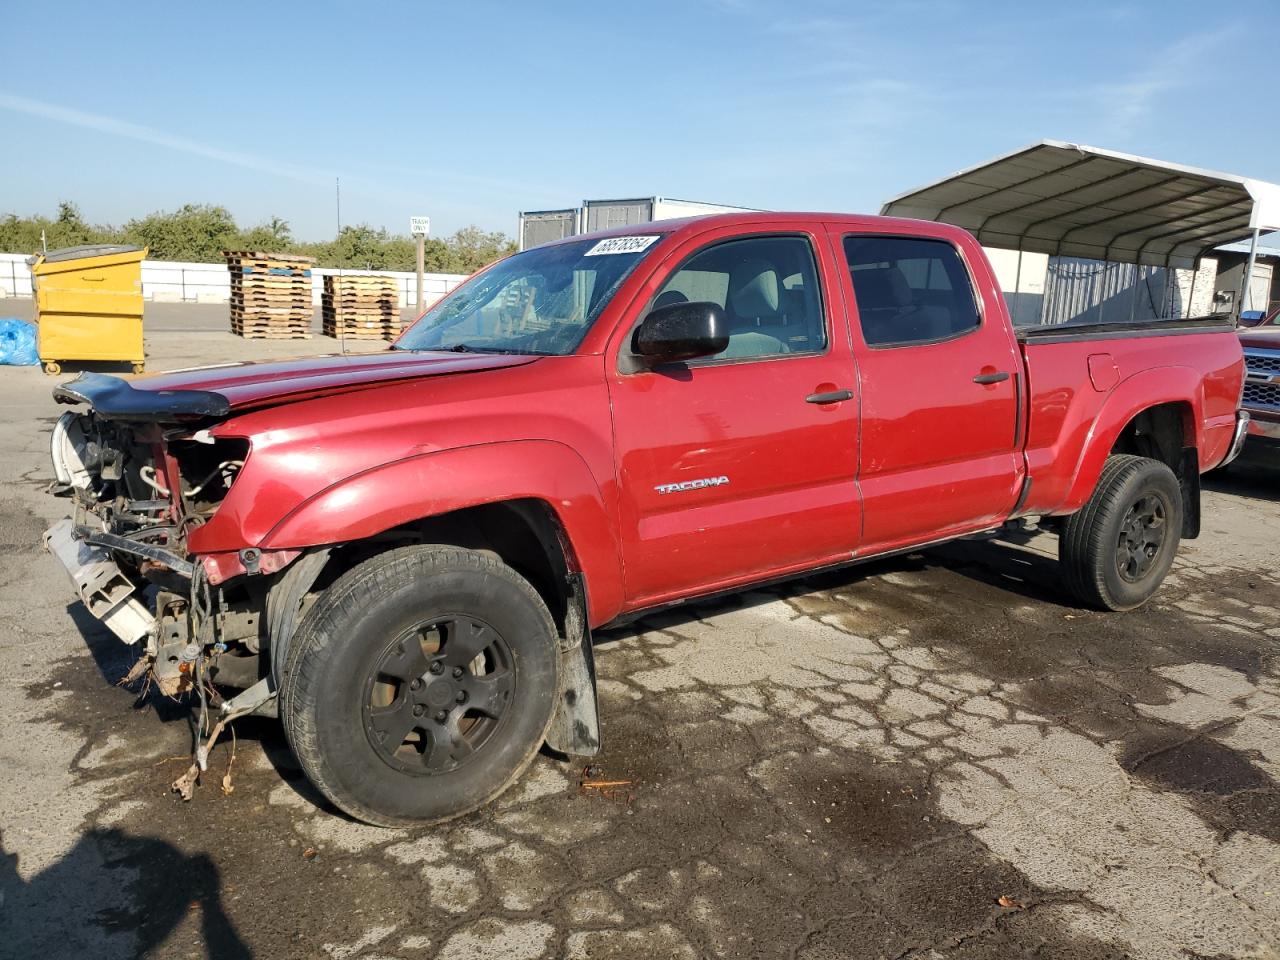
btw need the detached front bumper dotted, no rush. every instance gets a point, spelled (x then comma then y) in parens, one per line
(99, 583)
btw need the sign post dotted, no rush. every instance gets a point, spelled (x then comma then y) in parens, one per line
(420, 227)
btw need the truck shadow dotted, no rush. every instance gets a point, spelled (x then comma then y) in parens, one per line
(1006, 564)
(166, 885)
(113, 660)
(1002, 563)
(1254, 476)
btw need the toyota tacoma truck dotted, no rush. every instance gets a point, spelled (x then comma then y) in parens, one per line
(403, 555)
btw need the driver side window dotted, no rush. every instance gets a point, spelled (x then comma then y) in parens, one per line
(768, 289)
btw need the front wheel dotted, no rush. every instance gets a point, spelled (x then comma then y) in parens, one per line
(420, 685)
(1117, 549)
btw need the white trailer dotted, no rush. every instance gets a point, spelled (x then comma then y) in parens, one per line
(543, 226)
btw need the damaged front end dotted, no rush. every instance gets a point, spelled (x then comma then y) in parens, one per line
(142, 472)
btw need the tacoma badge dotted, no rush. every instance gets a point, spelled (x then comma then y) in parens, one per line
(691, 485)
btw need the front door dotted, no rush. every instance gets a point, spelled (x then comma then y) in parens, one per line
(939, 379)
(742, 464)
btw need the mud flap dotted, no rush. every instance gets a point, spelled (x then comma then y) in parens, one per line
(1189, 482)
(575, 728)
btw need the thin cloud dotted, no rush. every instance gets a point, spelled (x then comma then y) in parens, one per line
(1128, 102)
(134, 131)
(353, 184)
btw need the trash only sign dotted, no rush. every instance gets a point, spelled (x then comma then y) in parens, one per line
(419, 226)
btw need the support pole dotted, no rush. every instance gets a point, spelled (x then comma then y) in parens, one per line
(1191, 297)
(1133, 298)
(1017, 288)
(1102, 297)
(1164, 290)
(1246, 281)
(422, 259)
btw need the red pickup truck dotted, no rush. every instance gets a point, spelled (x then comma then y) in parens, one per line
(404, 554)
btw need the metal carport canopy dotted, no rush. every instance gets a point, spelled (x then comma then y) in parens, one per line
(1071, 200)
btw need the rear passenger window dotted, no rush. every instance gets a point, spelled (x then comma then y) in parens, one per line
(768, 287)
(909, 290)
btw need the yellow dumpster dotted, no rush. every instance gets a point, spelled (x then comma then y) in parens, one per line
(89, 305)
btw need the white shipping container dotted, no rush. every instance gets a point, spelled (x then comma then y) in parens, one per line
(607, 214)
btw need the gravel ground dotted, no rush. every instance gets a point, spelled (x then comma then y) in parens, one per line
(936, 756)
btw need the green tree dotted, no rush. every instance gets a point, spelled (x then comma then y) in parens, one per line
(20, 234)
(362, 247)
(198, 232)
(274, 236)
(68, 229)
(472, 248)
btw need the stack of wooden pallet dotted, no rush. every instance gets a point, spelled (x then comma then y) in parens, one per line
(270, 295)
(361, 307)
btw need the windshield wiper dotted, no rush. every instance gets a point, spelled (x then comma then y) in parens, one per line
(510, 351)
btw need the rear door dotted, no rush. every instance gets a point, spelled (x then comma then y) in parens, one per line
(939, 374)
(739, 465)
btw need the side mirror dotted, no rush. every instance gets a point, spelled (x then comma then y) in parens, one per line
(681, 331)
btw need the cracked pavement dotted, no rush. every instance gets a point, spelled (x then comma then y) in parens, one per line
(933, 756)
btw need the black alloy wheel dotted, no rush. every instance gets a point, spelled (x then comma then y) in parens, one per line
(1117, 549)
(1141, 535)
(438, 694)
(420, 684)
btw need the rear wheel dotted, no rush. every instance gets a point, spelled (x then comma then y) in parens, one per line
(1117, 549)
(420, 685)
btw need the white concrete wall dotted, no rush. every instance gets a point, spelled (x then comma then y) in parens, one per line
(177, 282)
(1024, 289)
(1022, 282)
(181, 282)
(1195, 289)
(15, 278)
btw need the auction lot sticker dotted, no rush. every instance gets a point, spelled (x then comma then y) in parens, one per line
(621, 245)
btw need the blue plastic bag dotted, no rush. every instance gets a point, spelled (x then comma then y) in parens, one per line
(17, 343)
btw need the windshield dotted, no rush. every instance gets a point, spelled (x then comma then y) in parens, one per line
(542, 301)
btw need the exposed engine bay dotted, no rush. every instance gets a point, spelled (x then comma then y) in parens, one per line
(137, 491)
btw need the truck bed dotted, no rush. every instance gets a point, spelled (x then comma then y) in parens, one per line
(1086, 382)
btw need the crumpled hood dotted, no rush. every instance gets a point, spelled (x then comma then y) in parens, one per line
(216, 391)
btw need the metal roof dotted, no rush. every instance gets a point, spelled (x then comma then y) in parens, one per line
(1076, 201)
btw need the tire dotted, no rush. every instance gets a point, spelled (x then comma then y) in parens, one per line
(1116, 550)
(362, 670)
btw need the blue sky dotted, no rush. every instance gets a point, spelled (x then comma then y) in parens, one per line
(470, 112)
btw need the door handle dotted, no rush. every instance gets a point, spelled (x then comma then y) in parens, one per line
(992, 377)
(831, 396)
